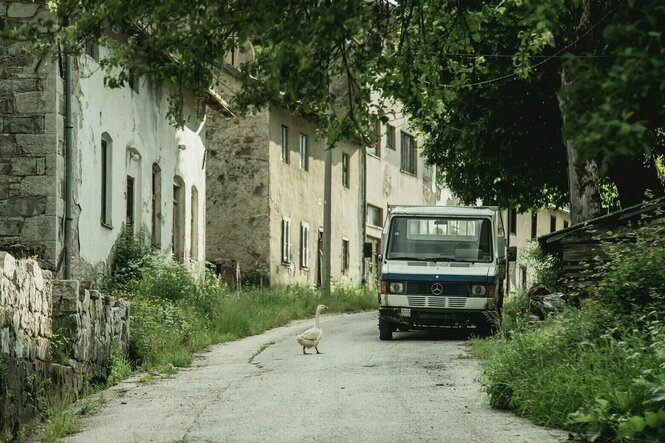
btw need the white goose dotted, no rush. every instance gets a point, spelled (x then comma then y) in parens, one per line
(311, 337)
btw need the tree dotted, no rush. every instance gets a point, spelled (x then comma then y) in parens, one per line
(505, 94)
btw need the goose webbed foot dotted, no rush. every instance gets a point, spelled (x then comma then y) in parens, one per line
(303, 351)
(317, 350)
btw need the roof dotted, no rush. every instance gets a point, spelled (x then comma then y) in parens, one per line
(465, 211)
(619, 218)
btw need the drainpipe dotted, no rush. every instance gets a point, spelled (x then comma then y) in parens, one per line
(327, 222)
(363, 221)
(69, 164)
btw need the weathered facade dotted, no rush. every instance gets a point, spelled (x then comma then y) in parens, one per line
(396, 175)
(131, 166)
(266, 189)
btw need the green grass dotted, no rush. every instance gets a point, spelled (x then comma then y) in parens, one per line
(61, 424)
(166, 333)
(597, 369)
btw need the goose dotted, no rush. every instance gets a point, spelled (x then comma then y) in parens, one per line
(311, 337)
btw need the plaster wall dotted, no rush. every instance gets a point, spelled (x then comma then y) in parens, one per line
(387, 184)
(525, 243)
(139, 135)
(297, 194)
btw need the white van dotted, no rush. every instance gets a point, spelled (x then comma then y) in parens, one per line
(441, 266)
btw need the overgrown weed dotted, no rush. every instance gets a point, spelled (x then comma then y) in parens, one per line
(597, 369)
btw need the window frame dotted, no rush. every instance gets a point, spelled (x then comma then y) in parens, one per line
(304, 245)
(512, 221)
(552, 223)
(391, 134)
(287, 256)
(380, 215)
(408, 154)
(106, 179)
(284, 144)
(345, 170)
(345, 256)
(534, 224)
(304, 154)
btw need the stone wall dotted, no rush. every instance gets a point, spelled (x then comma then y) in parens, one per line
(31, 145)
(237, 189)
(31, 304)
(93, 322)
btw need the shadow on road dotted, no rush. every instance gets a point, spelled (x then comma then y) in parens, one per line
(437, 334)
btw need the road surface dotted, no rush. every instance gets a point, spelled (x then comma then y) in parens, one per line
(418, 388)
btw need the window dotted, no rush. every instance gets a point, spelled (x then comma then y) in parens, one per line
(552, 223)
(286, 241)
(130, 201)
(304, 164)
(92, 49)
(523, 275)
(304, 245)
(408, 162)
(345, 170)
(534, 225)
(565, 224)
(345, 256)
(106, 179)
(374, 216)
(284, 142)
(194, 226)
(512, 221)
(156, 201)
(178, 233)
(375, 149)
(390, 137)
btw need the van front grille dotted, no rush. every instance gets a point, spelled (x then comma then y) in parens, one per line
(449, 288)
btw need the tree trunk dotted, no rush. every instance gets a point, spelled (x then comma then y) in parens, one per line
(583, 180)
(583, 185)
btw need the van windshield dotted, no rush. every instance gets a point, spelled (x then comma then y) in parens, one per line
(440, 239)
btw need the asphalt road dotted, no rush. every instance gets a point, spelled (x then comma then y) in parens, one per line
(418, 387)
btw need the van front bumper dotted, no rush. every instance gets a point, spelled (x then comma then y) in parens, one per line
(419, 318)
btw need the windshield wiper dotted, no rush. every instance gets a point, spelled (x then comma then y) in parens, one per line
(431, 259)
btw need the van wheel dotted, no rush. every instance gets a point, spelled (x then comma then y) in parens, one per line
(385, 330)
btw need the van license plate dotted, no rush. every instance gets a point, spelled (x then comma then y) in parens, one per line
(405, 312)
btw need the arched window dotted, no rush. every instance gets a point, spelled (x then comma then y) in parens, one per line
(194, 248)
(156, 202)
(178, 232)
(106, 179)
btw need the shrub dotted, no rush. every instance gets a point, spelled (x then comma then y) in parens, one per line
(131, 255)
(598, 369)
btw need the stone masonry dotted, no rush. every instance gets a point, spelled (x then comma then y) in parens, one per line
(31, 145)
(30, 304)
(237, 182)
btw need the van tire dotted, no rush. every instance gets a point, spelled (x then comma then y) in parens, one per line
(385, 330)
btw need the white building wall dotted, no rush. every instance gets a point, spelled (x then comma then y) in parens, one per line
(141, 136)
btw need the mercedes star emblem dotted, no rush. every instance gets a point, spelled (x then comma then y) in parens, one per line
(437, 288)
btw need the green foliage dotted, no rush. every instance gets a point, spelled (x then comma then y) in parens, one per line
(60, 425)
(62, 346)
(120, 367)
(597, 370)
(482, 81)
(548, 269)
(131, 255)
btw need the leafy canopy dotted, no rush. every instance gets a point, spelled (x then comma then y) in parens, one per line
(481, 80)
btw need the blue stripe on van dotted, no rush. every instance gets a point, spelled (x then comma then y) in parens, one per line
(441, 277)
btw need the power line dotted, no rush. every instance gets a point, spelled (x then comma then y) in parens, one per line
(540, 63)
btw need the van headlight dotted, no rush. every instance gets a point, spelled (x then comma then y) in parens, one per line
(478, 290)
(396, 287)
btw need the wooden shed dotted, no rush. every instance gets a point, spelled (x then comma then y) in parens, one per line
(583, 242)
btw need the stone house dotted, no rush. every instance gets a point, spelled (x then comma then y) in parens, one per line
(130, 165)
(266, 189)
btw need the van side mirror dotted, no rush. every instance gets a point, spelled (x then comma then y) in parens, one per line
(512, 253)
(367, 250)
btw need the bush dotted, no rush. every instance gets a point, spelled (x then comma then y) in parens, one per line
(598, 369)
